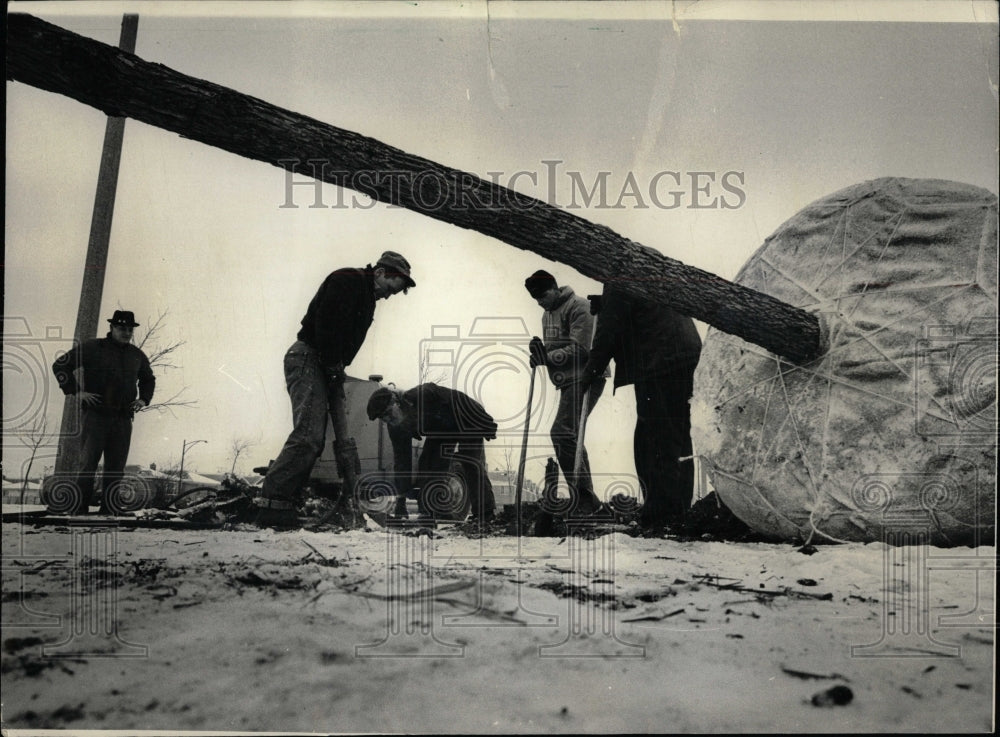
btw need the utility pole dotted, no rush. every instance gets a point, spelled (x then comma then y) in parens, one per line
(92, 290)
(180, 474)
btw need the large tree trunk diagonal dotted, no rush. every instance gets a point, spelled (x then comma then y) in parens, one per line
(121, 84)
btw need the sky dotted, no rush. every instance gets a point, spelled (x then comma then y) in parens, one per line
(728, 119)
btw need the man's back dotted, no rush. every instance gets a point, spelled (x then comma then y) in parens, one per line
(443, 411)
(645, 338)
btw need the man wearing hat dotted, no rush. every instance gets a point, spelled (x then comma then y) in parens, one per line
(568, 328)
(333, 330)
(111, 369)
(453, 426)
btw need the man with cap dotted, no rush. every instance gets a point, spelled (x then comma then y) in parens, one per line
(453, 427)
(656, 349)
(111, 369)
(568, 328)
(333, 330)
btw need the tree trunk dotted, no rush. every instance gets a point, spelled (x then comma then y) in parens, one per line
(121, 84)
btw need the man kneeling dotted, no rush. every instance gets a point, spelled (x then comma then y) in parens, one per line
(454, 427)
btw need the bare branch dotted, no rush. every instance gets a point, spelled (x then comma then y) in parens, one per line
(238, 447)
(159, 355)
(33, 439)
(168, 405)
(426, 376)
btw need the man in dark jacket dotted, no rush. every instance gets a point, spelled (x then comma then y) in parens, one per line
(110, 370)
(453, 426)
(657, 350)
(333, 329)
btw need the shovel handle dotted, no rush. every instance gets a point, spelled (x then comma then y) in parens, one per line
(524, 451)
(595, 309)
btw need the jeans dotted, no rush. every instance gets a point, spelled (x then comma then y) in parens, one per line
(306, 386)
(564, 433)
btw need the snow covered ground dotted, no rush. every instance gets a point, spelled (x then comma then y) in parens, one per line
(423, 631)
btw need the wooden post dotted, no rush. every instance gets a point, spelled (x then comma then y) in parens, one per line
(92, 289)
(51, 58)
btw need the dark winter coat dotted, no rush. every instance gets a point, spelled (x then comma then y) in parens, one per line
(110, 369)
(646, 339)
(447, 412)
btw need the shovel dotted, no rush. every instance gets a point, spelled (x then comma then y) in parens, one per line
(595, 308)
(524, 452)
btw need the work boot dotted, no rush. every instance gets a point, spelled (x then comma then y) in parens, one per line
(659, 518)
(277, 519)
(276, 514)
(400, 511)
(482, 519)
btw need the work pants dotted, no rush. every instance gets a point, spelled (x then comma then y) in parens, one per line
(662, 438)
(564, 433)
(306, 385)
(108, 435)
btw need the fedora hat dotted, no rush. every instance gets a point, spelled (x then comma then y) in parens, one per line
(123, 317)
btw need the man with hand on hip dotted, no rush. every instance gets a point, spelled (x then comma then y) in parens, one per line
(117, 381)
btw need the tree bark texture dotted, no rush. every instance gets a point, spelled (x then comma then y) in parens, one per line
(121, 84)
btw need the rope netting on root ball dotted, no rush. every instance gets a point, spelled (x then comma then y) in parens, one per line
(891, 434)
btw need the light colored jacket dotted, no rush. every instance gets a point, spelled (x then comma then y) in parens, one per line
(567, 330)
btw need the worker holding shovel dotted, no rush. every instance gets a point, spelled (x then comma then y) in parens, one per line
(568, 330)
(333, 329)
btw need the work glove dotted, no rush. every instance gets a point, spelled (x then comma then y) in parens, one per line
(335, 374)
(539, 356)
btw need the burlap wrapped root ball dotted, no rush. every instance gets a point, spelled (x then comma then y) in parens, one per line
(891, 434)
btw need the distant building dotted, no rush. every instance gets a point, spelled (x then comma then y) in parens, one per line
(505, 488)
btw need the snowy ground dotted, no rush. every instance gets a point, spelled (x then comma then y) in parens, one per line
(382, 631)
